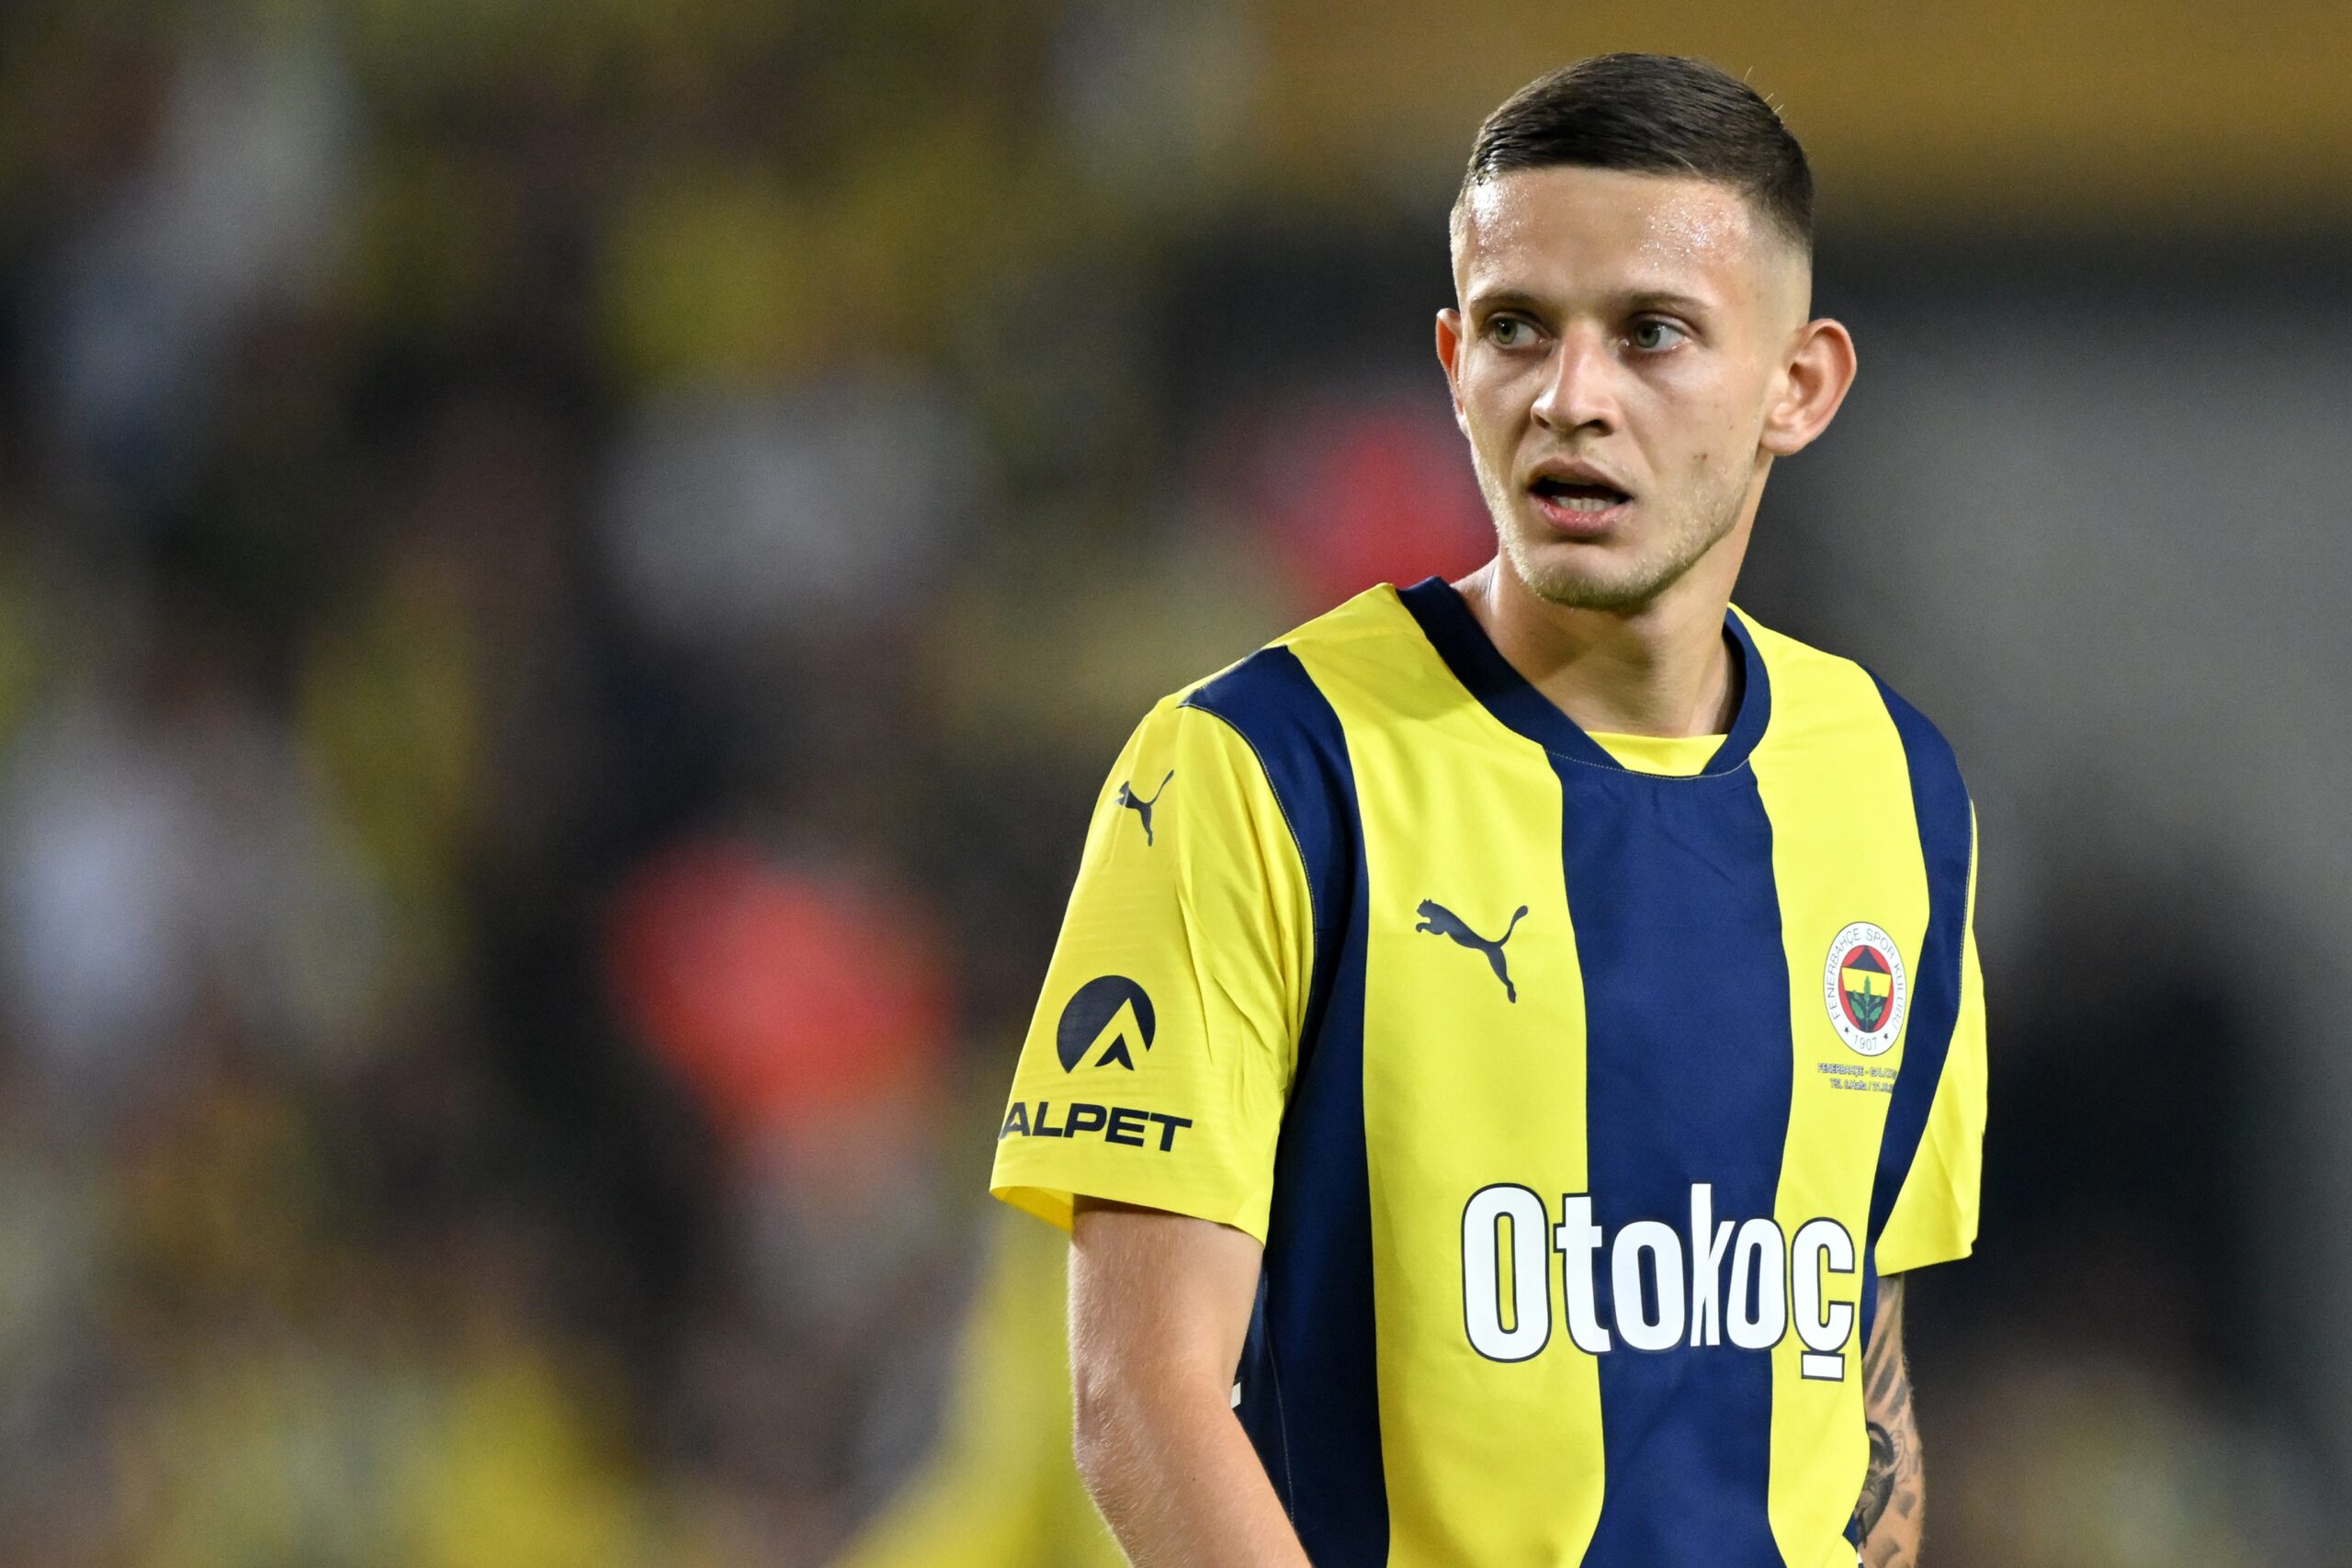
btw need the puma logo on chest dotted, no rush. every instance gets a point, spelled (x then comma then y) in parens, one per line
(1439, 920)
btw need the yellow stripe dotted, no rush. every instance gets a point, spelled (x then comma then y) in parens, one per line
(1845, 848)
(1465, 1484)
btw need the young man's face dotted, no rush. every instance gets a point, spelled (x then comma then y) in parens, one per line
(1620, 344)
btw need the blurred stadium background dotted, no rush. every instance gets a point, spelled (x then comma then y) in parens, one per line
(568, 573)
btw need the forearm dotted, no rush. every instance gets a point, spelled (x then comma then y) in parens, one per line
(1160, 1306)
(1179, 1481)
(1893, 1500)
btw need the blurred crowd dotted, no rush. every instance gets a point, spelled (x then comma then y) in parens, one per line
(568, 574)
(565, 575)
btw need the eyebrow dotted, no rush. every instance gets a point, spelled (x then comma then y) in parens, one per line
(1661, 300)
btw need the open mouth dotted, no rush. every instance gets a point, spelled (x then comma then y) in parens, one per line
(1578, 496)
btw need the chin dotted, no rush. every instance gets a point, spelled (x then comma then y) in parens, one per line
(1580, 577)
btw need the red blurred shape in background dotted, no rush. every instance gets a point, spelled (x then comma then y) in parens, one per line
(1355, 496)
(780, 998)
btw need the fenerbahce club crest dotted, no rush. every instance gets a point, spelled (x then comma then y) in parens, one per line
(1864, 988)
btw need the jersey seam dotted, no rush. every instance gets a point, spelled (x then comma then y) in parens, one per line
(1282, 1426)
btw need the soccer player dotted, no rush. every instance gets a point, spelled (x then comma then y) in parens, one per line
(1511, 1039)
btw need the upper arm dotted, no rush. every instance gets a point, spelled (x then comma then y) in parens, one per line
(1159, 1058)
(1152, 1293)
(1885, 1386)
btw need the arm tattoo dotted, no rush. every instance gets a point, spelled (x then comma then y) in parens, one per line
(1878, 1481)
(1887, 1516)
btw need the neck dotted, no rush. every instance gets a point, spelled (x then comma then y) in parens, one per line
(1664, 669)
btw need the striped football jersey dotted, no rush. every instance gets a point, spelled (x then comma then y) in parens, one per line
(1581, 1088)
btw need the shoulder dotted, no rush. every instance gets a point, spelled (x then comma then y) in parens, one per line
(1313, 655)
(1822, 699)
(1281, 698)
(1274, 717)
(1812, 689)
(1275, 701)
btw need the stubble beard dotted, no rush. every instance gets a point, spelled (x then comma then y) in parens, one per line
(1577, 577)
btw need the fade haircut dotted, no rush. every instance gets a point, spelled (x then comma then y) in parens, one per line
(1650, 113)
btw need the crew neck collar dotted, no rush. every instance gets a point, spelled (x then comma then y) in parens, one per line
(1447, 621)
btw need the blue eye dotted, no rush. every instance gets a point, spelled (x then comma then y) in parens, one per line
(1655, 335)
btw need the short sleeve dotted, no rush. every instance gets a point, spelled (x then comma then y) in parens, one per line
(1159, 1059)
(1933, 1218)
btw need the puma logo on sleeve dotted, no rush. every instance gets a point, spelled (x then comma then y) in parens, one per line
(1141, 805)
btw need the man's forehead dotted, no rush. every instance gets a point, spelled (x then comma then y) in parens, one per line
(1664, 231)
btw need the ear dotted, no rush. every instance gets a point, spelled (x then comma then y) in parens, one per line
(1449, 354)
(1812, 384)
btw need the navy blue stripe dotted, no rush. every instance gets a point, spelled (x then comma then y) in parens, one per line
(1309, 1390)
(1947, 840)
(1480, 666)
(1687, 1051)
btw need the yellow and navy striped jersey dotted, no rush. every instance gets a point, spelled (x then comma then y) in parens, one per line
(1579, 1095)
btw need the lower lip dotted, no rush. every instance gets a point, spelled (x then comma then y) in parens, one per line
(1576, 524)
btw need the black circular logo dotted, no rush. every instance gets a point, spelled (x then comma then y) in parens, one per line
(1105, 1013)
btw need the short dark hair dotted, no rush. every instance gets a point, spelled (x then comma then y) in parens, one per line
(1652, 114)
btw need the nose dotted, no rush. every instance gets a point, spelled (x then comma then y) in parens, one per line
(1578, 392)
